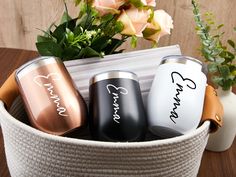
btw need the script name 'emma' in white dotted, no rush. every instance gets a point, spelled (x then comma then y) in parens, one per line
(116, 91)
(50, 88)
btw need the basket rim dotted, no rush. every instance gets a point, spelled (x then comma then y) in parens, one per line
(5, 115)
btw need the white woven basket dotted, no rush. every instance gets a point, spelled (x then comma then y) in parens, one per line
(32, 153)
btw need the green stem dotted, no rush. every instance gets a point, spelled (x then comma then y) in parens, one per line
(198, 18)
(204, 34)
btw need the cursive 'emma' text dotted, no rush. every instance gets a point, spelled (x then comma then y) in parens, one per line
(179, 88)
(40, 79)
(116, 91)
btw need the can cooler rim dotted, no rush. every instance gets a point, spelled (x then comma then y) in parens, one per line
(34, 64)
(115, 74)
(180, 59)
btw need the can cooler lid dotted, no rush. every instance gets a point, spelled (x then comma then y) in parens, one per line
(115, 74)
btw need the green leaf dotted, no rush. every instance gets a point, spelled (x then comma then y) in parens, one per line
(232, 68)
(111, 48)
(216, 36)
(134, 40)
(46, 33)
(149, 32)
(220, 26)
(69, 35)
(83, 9)
(210, 22)
(226, 84)
(215, 53)
(137, 3)
(234, 28)
(212, 45)
(224, 71)
(49, 48)
(78, 29)
(208, 56)
(231, 43)
(213, 67)
(195, 11)
(60, 31)
(87, 16)
(228, 56)
(77, 2)
(84, 21)
(100, 43)
(119, 27)
(44, 39)
(151, 16)
(234, 74)
(219, 60)
(107, 18)
(88, 52)
(207, 43)
(217, 80)
(207, 51)
(209, 14)
(65, 17)
(70, 53)
(231, 77)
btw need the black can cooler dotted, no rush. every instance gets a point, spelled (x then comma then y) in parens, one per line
(116, 110)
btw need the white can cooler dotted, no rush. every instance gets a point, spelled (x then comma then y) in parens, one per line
(175, 101)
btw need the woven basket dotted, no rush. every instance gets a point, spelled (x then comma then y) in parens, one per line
(32, 153)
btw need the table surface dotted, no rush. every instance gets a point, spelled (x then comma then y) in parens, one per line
(213, 164)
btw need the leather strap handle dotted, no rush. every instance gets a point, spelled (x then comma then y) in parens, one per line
(9, 91)
(213, 109)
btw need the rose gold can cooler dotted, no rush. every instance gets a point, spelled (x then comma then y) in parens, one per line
(51, 99)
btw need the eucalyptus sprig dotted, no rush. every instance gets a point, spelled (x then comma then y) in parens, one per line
(221, 60)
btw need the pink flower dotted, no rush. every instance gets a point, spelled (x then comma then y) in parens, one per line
(134, 21)
(149, 3)
(160, 25)
(108, 6)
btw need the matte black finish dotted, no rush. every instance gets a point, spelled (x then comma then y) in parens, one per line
(116, 110)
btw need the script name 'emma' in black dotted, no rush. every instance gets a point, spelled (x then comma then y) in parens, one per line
(180, 88)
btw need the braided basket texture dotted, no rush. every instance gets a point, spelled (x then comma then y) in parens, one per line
(32, 153)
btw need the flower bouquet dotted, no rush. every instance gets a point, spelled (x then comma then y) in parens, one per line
(102, 26)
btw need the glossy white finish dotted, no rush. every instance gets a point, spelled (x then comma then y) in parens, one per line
(176, 97)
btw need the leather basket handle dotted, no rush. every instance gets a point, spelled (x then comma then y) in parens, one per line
(213, 109)
(9, 91)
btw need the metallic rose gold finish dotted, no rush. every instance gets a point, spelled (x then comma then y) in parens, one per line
(52, 102)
